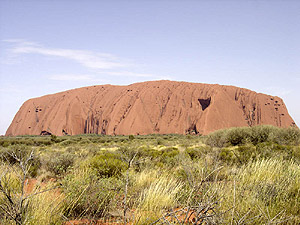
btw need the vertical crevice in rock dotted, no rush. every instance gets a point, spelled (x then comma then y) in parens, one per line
(97, 126)
(192, 130)
(104, 127)
(85, 127)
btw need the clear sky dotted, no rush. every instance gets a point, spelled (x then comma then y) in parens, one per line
(48, 46)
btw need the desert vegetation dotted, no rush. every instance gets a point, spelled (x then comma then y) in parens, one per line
(247, 175)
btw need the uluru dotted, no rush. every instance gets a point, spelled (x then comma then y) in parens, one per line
(161, 107)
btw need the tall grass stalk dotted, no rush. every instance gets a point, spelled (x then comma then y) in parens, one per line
(161, 194)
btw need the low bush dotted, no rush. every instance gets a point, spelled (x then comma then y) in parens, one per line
(131, 137)
(228, 155)
(107, 164)
(288, 136)
(59, 163)
(194, 153)
(67, 142)
(217, 138)
(254, 135)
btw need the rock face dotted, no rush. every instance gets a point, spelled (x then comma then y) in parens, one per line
(149, 107)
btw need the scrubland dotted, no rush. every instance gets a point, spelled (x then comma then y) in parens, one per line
(232, 176)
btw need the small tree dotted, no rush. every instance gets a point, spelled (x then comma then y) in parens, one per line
(15, 202)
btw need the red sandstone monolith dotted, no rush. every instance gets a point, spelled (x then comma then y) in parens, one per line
(161, 107)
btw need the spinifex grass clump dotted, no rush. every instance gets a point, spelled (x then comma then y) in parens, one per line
(9, 181)
(158, 193)
(46, 208)
(88, 195)
(264, 192)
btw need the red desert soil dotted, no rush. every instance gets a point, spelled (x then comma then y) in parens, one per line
(30, 185)
(149, 107)
(33, 186)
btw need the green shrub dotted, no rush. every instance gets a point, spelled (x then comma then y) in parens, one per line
(67, 142)
(254, 135)
(168, 155)
(289, 135)
(85, 141)
(146, 152)
(107, 164)
(238, 135)
(227, 155)
(131, 137)
(217, 138)
(45, 142)
(59, 163)
(160, 141)
(53, 138)
(4, 142)
(194, 153)
(295, 154)
(263, 133)
(246, 153)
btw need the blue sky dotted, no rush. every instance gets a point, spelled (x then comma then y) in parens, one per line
(50, 46)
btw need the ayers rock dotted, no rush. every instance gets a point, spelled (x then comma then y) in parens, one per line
(149, 107)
